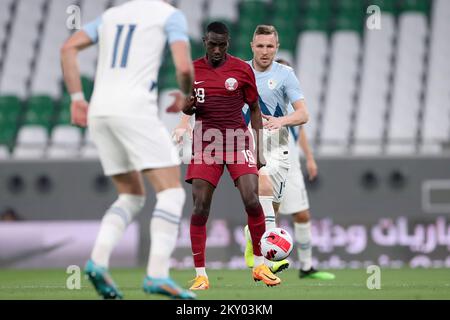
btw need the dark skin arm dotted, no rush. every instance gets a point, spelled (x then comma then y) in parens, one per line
(257, 126)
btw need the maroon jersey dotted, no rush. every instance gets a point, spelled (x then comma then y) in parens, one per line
(220, 95)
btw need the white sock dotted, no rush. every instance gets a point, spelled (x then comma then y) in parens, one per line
(258, 260)
(113, 226)
(269, 213)
(304, 249)
(201, 272)
(111, 230)
(268, 262)
(164, 231)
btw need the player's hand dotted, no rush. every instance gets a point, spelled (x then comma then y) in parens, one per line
(180, 131)
(272, 123)
(177, 104)
(260, 161)
(189, 107)
(311, 166)
(78, 113)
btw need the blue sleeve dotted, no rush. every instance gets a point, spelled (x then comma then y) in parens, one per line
(176, 27)
(292, 88)
(91, 29)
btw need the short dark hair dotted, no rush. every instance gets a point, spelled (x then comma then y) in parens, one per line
(217, 27)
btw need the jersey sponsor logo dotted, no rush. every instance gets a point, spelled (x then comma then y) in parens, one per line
(198, 82)
(272, 84)
(231, 84)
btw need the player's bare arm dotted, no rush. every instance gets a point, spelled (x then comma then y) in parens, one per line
(181, 55)
(311, 164)
(298, 117)
(69, 53)
(256, 121)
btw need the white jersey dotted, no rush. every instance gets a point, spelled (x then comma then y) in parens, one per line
(131, 39)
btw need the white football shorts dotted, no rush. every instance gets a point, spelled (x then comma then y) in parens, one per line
(129, 144)
(295, 198)
(277, 168)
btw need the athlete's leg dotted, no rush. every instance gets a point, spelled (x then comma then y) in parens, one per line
(302, 234)
(202, 192)
(248, 187)
(130, 201)
(265, 193)
(164, 224)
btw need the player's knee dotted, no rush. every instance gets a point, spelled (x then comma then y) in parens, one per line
(302, 216)
(201, 208)
(251, 201)
(201, 204)
(127, 206)
(171, 200)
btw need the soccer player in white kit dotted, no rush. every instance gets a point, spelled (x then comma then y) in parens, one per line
(277, 87)
(295, 200)
(132, 142)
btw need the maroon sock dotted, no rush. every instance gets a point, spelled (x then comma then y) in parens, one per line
(198, 239)
(256, 226)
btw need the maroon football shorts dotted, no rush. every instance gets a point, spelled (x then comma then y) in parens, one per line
(211, 169)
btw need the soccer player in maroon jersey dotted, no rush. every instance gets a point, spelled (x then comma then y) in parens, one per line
(223, 84)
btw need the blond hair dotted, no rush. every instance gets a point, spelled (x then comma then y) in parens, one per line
(265, 29)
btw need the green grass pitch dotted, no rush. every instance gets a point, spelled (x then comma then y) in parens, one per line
(238, 285)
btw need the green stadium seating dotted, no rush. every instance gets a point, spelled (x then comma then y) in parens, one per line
(63, 116)
(7, 134)
(287, 9)
(197, 49)
(416, 5)
(314, 23)
(40, 110)
(253, 9)
(10, 109)
(88, 87)
(385, 5)
(344, 22)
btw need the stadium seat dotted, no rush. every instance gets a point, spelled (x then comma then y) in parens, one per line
(63, 114)
(372, 104)
(31, 142)
(5, 17)
(88, 150)
(341, 87)
(310, 62)
(21, 50)
(408, 85)
(10, 108)
(40, 110)
(194, 11)
(386, 6)
(65, 142)
(435, 127)
(399, 148)
(422, 6)
(7, 134)
(223, 10)
(4, 152)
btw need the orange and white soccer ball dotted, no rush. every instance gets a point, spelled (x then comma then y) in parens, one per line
(276, 244)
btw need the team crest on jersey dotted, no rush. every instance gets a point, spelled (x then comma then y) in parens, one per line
(231, 84)
(272, 84)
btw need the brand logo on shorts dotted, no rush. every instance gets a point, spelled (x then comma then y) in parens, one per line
(231, 84)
